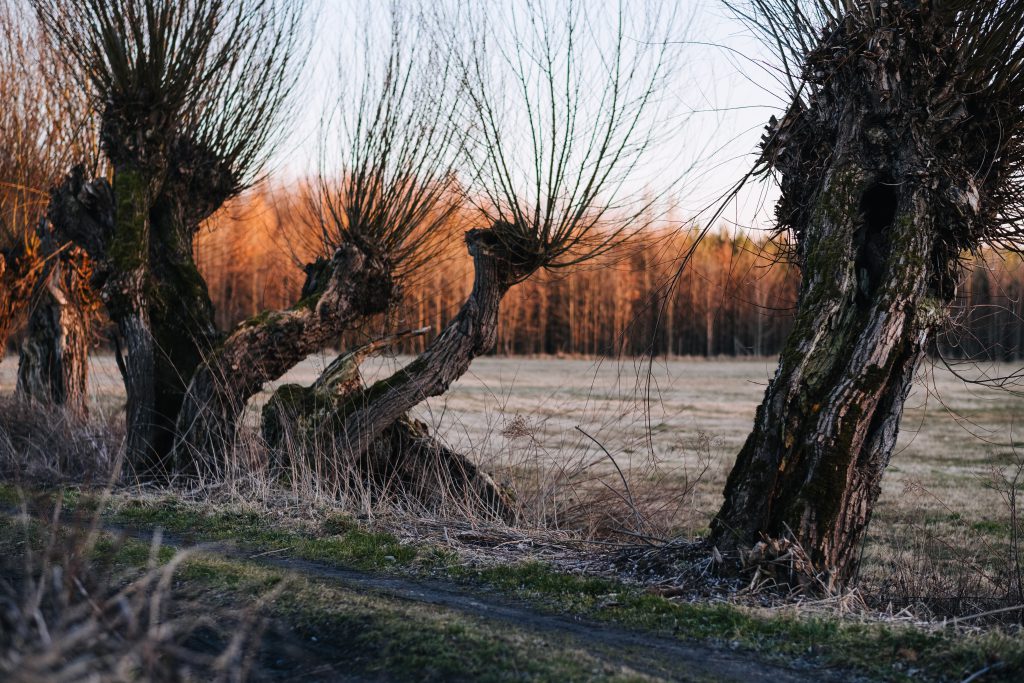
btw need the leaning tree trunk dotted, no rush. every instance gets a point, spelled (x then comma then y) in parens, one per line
(879, 227)
(53, 363)
(472, 332)
(337, 293)
(300, 426)
(810, 472)
(367, 429)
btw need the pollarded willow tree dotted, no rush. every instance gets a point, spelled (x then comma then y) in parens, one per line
(902, 149)
(188, 94)
(42, 129)
(563, 111)
(376, 212)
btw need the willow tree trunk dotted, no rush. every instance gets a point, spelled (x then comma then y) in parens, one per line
(110, 222)
(18, 266)
(879, 227)
(338, 292)
(53, 363)
(472, 332)
(126, 294)
(182, 314)
(811, 470)
(405, 459)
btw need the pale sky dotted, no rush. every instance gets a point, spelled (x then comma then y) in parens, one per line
(717, 103)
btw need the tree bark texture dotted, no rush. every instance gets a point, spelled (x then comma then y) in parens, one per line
(19, 266)
(337, 293)
(181, 311)
(472, 332)
(405, 460)
(111, 224)
(53, 365)
(879, 227)
(139, 233)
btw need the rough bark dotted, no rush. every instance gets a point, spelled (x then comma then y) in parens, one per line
(877, 225)
(140, 239)
(472, 332)
(811, 470)
(405, 460)
(17, 268)
(182, 314)
(337, 293)
(53, 363)
(111, 224)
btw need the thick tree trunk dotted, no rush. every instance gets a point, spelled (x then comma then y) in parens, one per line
(182, 314)
(811, 470)
(337, 293)
(127, 298)
(53, 364)
(881, 200)
(111, 224)
(367, 429)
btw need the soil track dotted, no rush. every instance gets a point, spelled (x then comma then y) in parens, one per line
(656, 656)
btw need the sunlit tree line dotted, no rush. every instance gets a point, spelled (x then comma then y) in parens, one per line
(735, 298)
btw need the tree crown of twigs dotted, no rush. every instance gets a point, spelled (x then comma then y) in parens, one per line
(181, 84)
(961, 60)
(565, 108)
(396, 126)
(43, 128)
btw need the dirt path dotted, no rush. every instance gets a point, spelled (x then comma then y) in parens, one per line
(658, 657)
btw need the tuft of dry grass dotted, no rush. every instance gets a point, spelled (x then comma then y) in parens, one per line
(76, 605)
(47, 444)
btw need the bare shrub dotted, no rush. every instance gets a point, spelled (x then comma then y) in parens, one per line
(1008, 482)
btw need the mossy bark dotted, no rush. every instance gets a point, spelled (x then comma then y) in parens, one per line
(367, 430)
(879, 226)
(338, 293)
(811, 469)
(404, 460)
(126, 294)
(472, 332)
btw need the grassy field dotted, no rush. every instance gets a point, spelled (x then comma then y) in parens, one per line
(327, 598)
(940, 528)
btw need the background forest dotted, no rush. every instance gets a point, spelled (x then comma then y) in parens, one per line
(735, 298)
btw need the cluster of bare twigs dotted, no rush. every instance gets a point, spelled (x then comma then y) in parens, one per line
(976, 98)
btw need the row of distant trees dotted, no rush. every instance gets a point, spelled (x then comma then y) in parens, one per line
(736, 298)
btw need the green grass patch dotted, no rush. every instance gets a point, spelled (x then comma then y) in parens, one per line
(342, 542)
(878, 650)
(889, 653)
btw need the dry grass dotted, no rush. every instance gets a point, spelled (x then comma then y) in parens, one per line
(45, 444)
(76, 605)
(586, 462)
